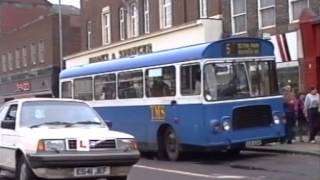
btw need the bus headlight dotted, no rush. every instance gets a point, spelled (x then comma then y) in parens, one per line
(226, 125)
(127, 144)
(276, 119)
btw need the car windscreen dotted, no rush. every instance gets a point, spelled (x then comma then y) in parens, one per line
(37, 113)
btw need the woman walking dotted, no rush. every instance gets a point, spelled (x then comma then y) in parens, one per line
(311, 104)
(289, 109)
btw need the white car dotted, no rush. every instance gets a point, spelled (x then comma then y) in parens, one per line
(61, 139)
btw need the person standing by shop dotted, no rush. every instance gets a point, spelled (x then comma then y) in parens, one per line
(289, 108)
(311, 104)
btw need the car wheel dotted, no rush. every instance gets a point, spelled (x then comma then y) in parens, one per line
(171, 144)
(24, 172)
(117, 178)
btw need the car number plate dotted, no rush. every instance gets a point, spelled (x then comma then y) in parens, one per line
(254, 143)
(91, 171)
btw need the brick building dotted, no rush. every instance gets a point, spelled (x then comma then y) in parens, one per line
(117, 28)
(29, 52)
(277, 20)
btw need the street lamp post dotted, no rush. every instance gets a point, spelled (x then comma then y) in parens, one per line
(60, 37)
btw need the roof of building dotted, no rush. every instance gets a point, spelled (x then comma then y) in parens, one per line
(43, 2)
(194, 52)
(65, 9)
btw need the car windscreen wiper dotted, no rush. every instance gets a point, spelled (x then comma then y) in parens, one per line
(85, 123)
(51, 123)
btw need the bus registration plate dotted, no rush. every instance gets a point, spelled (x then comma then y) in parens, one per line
(254, 143)
(91, 171)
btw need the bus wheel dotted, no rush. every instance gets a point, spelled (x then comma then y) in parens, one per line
(171, 144)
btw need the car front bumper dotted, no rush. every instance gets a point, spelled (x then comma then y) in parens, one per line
(61, 165)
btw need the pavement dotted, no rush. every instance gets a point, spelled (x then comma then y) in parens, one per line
(304, 148)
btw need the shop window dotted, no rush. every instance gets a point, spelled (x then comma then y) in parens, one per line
(161, 82)
(190, 80)
(105, 87)
(239, 16)
(66, 89)
(83, 89)
(267, 13)
(130, 84)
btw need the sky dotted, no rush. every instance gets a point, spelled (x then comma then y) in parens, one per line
(75, 3)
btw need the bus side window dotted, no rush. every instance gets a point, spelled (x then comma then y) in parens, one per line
(83, 89)
(105, 87)
(190, 80)
(130, 84)
(66, 89)
(161, 82)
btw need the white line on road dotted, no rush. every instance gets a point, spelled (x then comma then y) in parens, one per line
(211, 176)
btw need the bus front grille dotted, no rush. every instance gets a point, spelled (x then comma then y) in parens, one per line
(252, 116)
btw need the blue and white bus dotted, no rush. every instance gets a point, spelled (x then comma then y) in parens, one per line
(200, 97)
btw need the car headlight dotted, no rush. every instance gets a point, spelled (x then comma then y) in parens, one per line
(127, 144)
(51, 145)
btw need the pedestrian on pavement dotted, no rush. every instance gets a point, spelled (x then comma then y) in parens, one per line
(289, 109)
(311, 104)
(301, 120)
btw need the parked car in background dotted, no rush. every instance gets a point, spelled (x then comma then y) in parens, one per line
(61, 139)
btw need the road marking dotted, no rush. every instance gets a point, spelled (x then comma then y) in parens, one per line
(211, 176)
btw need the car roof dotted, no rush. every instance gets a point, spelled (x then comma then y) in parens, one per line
(22, 100)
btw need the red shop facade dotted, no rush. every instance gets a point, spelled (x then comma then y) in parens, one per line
(310, 32)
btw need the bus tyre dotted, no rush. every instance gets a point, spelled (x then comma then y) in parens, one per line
(24, 172)
(171, 144)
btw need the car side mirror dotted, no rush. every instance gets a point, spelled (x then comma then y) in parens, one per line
(109, 123)
(8, 124)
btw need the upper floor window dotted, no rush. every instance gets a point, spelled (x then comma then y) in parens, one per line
(146, 16)
(4, 63)
(267, 13)
(165, 13)
(24, 56)
(41, 50)
(33, 53)
(89, 34)
(17, 58)
(134, 24)
(122, 17)
(239, 16)
(106, 27)
(203, 8)
(10, 61)
(295, 9)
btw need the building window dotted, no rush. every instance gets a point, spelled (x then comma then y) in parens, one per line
(4, 63)
(134, 24)
(10, 61)
(239, 16)
(203, 8)
(106, 27)
(89, 34)
(41, 55)
(295, 9)
(165, 13)
(24, 56)
(267, 13)
(33, 53)
(17, 58)
(146, 16)
(122, 18)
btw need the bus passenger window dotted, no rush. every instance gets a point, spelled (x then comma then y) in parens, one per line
(190, 80)
(66, 89)
(130, 84)
(161, 82)
(83, 89)
(105, 87)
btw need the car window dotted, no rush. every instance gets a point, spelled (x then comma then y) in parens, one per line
(3, 112)
(12, 113)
